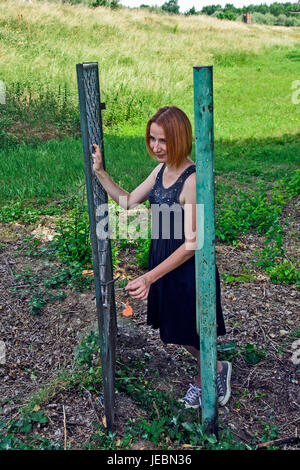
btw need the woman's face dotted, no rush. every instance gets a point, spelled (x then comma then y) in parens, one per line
(158, 142)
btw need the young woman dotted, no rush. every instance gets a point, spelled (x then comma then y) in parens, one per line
(169, 284)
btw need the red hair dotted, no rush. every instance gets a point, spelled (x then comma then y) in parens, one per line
(178, 133)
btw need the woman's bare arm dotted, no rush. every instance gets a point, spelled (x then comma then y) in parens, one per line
(140, 286)
(125, 199)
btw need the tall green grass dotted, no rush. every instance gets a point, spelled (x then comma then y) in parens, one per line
(54, 169)
(145, 61)
(50, 170)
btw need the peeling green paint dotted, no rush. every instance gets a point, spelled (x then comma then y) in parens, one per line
(205, 256)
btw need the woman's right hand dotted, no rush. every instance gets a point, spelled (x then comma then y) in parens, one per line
(97, 159)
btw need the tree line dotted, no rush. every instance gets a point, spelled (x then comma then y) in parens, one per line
(274, 9)
(283, 14)
(275, 14)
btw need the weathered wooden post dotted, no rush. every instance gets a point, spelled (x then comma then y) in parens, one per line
(205, 253)
(92, 133)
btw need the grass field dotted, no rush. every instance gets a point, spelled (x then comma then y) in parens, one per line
(54, 168)
(138, 74)
(146, 61)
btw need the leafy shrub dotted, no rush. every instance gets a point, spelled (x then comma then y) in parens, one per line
(113, 4)
(243, 212)
(281, 20)
(142, 252)
(270, 19)
(38, 294)
(259, 18)
(24, 212)
(292, 183)
(284, 273)
(273, 248)
(226, 15)
(72, 243)
(89, 346)
(88, 372)
(251, 353)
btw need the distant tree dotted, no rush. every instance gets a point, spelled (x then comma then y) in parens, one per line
(265, 14)
(171, 7)
(281, 20)
(229, 6)
(191, 11)
(230, 11)
(277, 9)
(226, 15)
(98, 3)
(114, 4)
(105, 3)
(210, 9)
(262, 9)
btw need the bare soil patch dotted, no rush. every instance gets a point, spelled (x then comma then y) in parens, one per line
(264, 395)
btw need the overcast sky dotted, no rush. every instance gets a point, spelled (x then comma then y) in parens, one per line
(185, 5)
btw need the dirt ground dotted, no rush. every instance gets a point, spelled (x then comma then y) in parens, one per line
(264, 395)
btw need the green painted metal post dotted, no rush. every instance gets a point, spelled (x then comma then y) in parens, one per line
(205, 253)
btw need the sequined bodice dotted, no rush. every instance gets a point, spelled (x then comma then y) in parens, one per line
(161, 195)
(167, 213)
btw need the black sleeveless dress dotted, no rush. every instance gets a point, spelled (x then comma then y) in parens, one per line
(172, 298)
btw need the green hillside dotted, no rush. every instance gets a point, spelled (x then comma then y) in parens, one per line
(146, 61)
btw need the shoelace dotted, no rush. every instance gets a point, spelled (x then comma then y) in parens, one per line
(192, 393)
(220, 385)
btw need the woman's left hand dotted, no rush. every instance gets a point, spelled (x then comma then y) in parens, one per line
(139, 287)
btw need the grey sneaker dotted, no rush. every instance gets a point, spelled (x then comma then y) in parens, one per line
(223, 383)
(192, 398)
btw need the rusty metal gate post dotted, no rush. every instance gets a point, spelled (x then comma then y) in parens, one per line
(92, 133)
(205, 253)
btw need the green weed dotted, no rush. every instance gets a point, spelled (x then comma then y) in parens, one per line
(269, 432)
(273, 249)
(89, 346)
(101, 439)
(17, 433)
(40, 290)
(284, 273)
(73, 244)
(38, 294)
(168, 425)
(242, 212)
(142, 252)
(28, 213)
(251, 353)
(237, 278)
(88, 372)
